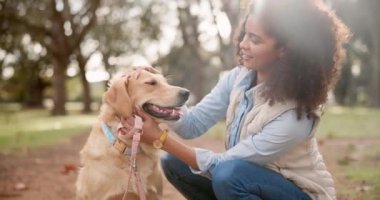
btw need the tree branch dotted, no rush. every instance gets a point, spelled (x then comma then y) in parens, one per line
(68, 16)
(25, 23)
(212, 8)
(85, 29)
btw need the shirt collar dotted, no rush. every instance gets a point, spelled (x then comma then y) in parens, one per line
(248, 78)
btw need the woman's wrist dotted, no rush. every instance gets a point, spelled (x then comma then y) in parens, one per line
(181, 151)
(159, 143)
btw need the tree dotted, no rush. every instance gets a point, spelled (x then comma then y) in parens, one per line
(60, 30)
(190, 60)
(28, 83)
(362, 17)
(29, 60)
(118, 28)
(82, 61)
(125, 28)
(227, 48)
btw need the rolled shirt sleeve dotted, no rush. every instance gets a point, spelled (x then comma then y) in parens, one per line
(212, 108)
(276, 138)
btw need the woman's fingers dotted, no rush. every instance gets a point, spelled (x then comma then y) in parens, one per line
(143, 115)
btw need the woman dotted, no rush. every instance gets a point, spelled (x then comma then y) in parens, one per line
(289, 52)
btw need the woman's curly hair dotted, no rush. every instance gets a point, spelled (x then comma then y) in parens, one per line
(313, 38)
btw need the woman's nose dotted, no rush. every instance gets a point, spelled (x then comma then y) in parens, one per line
(244, 43)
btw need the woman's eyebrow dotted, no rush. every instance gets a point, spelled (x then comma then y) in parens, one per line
(251, 34)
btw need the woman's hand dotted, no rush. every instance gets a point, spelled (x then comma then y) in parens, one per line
(151, 130)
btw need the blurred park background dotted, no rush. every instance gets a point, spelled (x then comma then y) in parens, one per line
(57, 55)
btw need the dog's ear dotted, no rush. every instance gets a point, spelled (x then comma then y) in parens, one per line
(118, 98)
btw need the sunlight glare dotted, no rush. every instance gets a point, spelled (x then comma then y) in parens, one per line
(223, 26)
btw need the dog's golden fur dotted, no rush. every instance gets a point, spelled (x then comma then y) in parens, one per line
(104, 172)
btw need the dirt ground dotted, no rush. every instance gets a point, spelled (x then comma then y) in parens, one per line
(49, 173)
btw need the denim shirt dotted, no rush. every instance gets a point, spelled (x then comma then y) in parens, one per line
(276, 138)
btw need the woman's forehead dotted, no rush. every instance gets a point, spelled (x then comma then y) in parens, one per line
(254, 26)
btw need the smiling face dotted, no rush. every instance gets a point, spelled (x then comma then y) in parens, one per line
(258, 49)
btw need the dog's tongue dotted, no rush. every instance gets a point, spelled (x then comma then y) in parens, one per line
(166, 111)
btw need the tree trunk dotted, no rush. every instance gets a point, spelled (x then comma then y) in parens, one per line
(61, 57)
(342, 88)
(197, 80)
(86, 98)
(231, 8)
(59, 86)
(375, 83)
(34, 97)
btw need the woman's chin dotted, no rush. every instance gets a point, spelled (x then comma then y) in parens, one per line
(249, 65)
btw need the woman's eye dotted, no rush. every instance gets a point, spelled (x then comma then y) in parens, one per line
(255, 40)
(153, 82)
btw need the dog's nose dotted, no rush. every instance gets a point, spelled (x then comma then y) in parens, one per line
(184, 94)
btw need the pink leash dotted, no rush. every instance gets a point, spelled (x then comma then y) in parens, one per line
(136, 131)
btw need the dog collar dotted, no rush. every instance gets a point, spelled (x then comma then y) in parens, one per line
(116, 142)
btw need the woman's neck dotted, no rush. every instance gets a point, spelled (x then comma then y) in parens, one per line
(261, 76)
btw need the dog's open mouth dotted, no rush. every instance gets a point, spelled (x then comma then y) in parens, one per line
(166, 113)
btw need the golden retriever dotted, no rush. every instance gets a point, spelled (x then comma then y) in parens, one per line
(105, 171)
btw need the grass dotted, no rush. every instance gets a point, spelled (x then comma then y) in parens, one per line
(30, 128)
(363, 174)
(20, 129)
(367, 179)
(354, 123)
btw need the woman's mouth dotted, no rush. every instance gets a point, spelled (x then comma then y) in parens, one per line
(246, 57)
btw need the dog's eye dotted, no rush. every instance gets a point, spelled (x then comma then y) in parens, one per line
(152, 82)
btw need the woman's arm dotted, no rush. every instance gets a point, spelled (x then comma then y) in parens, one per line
(277, 137)
(181, 151)
(213, 107)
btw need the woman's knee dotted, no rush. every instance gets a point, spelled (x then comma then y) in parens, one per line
(229, 179)
(224, 174)
(168, 163)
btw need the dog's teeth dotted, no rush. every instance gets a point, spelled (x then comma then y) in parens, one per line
(157, 109)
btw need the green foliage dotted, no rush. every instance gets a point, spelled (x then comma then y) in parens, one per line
(360, 80)
(127, 27)
(74, 90)
(41, 36)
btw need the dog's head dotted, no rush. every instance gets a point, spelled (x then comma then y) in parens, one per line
(147, 90)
